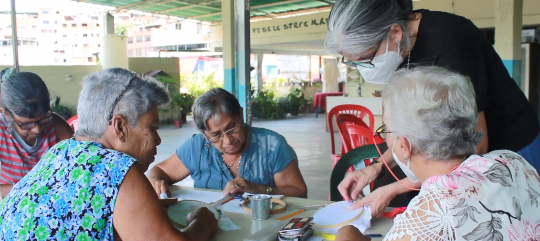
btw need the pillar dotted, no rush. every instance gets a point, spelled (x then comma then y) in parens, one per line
(114, 50)
(243, 51)
(508, 26)
(14, 41)
(258, 77)
(227, 23)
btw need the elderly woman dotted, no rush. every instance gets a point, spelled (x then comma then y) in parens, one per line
(92, 187)
(230, 155)
(433, 137)
(28, 128)
(380, 36)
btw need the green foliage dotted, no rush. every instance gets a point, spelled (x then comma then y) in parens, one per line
(121, 30)
(173, 86)
(196, 84)
(62, 110)
(264, 106)
(293, 102)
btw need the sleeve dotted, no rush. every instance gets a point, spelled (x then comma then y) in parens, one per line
(187, 151)
(284, 154)
(423, 220)
(464, 54)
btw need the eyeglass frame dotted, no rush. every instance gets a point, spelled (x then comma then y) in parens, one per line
(227, 132)
(115, 103)
(363, 63)
(33, 123)
(382, 130)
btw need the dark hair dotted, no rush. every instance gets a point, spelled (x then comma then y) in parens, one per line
(25, 94)
(213, 103)
(354, 26)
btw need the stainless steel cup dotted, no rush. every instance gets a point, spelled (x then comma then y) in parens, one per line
(260, 206)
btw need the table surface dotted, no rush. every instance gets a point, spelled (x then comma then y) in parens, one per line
(250, 226)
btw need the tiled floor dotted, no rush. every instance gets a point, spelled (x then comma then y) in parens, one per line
(306, 134)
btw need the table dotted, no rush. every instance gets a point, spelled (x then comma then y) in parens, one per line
(250, 226)
(319, 100)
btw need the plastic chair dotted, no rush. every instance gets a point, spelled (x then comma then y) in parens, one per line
(350, 158)
(351, 111)
(74, 122)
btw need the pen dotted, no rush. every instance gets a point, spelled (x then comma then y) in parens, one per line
(292, 214)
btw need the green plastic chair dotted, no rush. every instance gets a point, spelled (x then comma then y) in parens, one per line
(351, 158)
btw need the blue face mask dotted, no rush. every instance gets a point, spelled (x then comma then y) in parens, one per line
(405, 168)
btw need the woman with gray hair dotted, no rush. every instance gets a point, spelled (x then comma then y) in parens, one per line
(432, 137)
(28, 127)
(92, 187)
(230, 155)
(380, 36)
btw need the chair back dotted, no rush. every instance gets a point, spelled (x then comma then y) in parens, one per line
(357, 111)
(74, 122)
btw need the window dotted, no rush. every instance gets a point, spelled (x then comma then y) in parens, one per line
(46, 31)
(99, 45)
(139, 39)
(57, 12)
(45, 12)
(56, 51)
(8, 27)
(65, 35)
(138, 52)
(73, 25)
(85, 35)
(62, 51)
(64, 25)
(90, 59)
(97, 24)
(57, 60)
(55, 31)
(74, 45)
(45, 21)
(92, 35)
(34, 26)
(85, 25)
(130, 40)
(178, 26)
(97, 34)
(147, 38)
(85, 45)
(55, 22)
(64, 60)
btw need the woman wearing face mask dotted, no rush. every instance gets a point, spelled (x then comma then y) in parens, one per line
(380, 36)
(433, 137)
(28, 128)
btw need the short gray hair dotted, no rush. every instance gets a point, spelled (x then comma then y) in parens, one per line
(212, 104)
(354, 26)
(100, 90)
(435, 110)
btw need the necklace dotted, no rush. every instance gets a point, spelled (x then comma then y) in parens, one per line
(229, 166)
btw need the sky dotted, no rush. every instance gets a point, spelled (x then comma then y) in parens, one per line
(34, 5)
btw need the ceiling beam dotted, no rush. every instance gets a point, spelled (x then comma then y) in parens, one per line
(204, 4)
(153, 4)
(251, 7)
(136, 4)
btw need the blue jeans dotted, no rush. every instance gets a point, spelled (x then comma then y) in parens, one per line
(531, 153)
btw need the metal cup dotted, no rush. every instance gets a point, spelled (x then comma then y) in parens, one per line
(260, 206)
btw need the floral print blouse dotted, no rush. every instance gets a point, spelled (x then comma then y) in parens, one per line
(489, 197)
(69, 195)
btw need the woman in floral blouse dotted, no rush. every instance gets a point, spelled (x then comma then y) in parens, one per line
(81, 183)
(433, 136)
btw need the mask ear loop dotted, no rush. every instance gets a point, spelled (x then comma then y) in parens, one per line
(389, 169)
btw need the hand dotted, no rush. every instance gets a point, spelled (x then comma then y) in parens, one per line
(205, 217)
(240, 185)
(354, 182)
(349, 232)
(160, 187)
(378, 200)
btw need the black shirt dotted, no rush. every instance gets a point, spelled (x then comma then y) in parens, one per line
(454, 42)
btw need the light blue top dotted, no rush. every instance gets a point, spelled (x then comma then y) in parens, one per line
(267, 154)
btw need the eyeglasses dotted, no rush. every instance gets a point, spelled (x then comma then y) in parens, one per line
(230, 132)
(364, 63)
(120, 97)
(30, 125)
(381, 132)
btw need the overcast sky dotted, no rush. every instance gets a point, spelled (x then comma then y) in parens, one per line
(34, 5)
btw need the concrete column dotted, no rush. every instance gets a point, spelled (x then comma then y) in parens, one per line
(243, 51)
(508, 26)
(227, 23)
(14, 41)
(259, 69)
(114, 50)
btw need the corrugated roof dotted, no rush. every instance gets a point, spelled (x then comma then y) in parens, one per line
(210, 10)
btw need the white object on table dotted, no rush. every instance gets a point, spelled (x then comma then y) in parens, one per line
(226, 224)
(199, 195)
(338, 213)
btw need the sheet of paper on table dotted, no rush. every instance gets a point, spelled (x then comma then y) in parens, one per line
(199, 195)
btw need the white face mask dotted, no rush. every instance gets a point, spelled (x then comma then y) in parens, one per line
(385, 65)
(405, 168)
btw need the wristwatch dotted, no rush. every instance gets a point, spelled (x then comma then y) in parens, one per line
(269, 190)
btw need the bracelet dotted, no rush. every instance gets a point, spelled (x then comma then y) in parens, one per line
(272, 211)
(383, 169)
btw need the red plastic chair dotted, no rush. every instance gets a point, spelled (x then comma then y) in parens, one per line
(74, 122)
(357, 111)
(342, 122)
(361, 136)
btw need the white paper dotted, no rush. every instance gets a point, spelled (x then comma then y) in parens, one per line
(199, 195)
(226, 224)
(337, 211)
